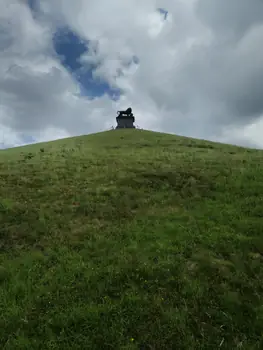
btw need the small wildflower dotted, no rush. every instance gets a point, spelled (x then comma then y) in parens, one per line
(132, 339)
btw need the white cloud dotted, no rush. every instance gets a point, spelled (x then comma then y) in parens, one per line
(248, 136)
(200, 72)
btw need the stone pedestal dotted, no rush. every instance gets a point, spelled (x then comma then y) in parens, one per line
(125, 122)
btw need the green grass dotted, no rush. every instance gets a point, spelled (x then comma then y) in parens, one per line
(131, 239)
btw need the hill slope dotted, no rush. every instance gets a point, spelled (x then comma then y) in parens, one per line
(131, 239)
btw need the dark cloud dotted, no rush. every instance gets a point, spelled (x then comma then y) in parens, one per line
(230, 18)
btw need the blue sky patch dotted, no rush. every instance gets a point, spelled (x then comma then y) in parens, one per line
(69, 48)
(163, 12)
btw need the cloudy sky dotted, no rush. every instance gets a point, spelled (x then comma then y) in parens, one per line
(188, 67)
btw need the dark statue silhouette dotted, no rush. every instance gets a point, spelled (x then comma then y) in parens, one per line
(128, 112)
(125, 119)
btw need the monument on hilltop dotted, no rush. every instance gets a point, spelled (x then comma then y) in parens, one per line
(125, 119)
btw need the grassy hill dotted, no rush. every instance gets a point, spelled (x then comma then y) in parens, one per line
(131, 239)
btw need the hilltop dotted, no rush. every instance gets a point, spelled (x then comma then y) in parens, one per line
(131, 239)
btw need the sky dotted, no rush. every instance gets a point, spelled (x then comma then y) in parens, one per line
(186, 67)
